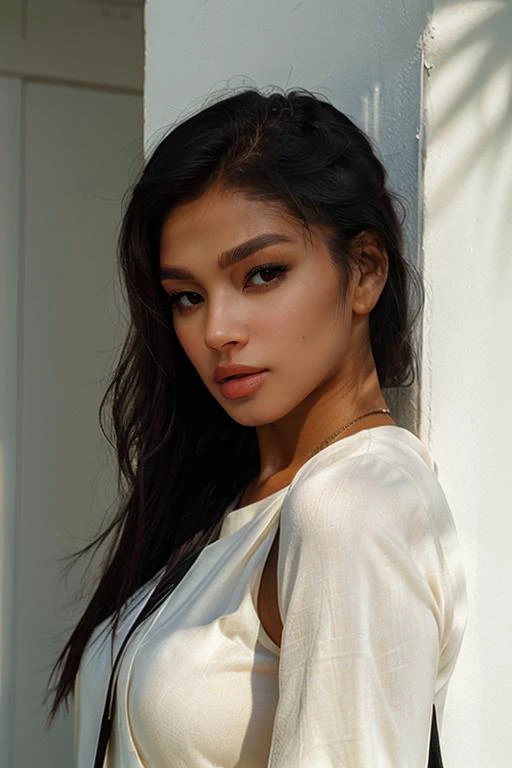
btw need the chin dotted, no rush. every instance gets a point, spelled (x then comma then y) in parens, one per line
(257, 414)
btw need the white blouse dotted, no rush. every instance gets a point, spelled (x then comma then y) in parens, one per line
(372, 595)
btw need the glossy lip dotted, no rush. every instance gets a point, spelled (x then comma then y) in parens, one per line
(243, 386)
(223, 372)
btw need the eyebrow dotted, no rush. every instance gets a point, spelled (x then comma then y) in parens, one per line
(230, 257)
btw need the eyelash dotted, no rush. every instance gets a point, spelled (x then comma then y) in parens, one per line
(279, 269)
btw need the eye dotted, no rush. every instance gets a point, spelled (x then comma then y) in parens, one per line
(277, 270)
(175, 296)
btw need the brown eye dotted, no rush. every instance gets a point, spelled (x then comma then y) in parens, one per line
(174, 298)
(276, 270)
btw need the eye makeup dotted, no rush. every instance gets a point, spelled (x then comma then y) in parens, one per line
(279, 271)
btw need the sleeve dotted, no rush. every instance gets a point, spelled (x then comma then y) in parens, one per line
(362, 596)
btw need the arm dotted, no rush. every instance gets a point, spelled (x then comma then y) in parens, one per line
(361, 593)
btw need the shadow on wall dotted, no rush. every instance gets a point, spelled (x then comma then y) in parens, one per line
(471, 59)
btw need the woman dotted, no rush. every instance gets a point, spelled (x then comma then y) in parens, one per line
(284, 586)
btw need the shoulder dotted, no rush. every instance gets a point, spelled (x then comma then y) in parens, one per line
(370, 519)
(382, 480)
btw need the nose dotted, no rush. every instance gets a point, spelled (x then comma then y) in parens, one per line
(224, 325)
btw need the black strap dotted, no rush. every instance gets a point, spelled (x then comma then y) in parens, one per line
(158, 595)
(434, 754)
(108, 710)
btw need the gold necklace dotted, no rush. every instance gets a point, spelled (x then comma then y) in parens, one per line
(346, 426)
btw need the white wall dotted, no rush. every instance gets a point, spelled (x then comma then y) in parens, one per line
(467, 355)
(61, 208)
(10, 154)
(98, 42)
(81, 148)
(70, 145)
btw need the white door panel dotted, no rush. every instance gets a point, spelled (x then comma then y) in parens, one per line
(82, 150)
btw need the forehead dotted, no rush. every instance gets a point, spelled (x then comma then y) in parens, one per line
(220, 219)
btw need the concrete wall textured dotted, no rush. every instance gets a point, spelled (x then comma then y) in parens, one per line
(467, 368)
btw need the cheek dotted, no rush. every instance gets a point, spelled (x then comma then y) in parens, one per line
(306, 320)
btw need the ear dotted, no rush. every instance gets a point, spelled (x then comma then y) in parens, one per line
(369, 271)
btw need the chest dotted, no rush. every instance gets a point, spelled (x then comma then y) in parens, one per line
(202, 696)
(200, 689)
(200, 686)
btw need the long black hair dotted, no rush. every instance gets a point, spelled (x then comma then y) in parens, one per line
(181, 458)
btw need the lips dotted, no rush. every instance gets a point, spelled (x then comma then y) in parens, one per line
(243, 385)
(224, 373)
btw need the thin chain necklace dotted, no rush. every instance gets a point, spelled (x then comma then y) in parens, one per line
(344, 427)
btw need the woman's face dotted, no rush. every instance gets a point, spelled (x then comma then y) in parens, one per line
(286, 318)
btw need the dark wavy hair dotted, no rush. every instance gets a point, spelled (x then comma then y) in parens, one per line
(181, 458)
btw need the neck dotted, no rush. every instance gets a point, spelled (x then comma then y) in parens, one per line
(285, 445)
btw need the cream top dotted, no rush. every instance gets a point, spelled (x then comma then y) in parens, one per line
(372, 595)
